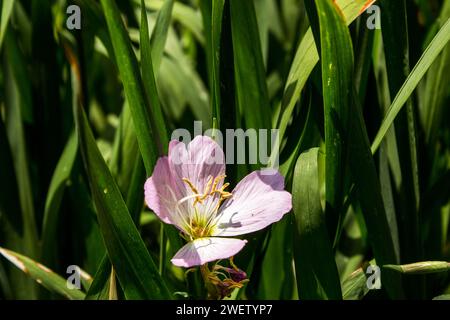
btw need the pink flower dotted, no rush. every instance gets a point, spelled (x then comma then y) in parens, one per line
(187, 190)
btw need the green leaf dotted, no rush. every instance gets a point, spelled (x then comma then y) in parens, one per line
(16, 102)
(132, 82)
(95, 20)
(87, 240)
(426, 60)
(307, 139)
(337, 73)
(183, 14)
(424, 267)
(436, 89)
(306, 58)
(54, 197)
(11, 222)
(368, 193)
(99, 288)
(317, 276)
(389, 163)
(42, 275)
(442, 297)
(125, 150)
(151, 50)
(355, 286)
(265, 18)
(276, 279)
(17, 60)
(180, 85)
(212, 14)
(7, 7)
(363, 58)
(5, 287)
(159, 35)
(135, 268)
(251, 88)
(396, 48)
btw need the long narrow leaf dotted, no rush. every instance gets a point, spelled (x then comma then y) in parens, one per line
(317, 276)
(306, 58)
(426, 60)
(134, 89)
(337, 73)
(54, 197)
(425, 267)
(42, 275)
(159, 35)
(135, 268)
(251, 89)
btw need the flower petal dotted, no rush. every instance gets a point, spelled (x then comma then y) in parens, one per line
(160, 192)
(202, 159)
(257, 201)
(204, 250)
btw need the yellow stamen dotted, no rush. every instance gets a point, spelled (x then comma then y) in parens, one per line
(206, 192)
(216, 182)
(191, 185)
(199, 224)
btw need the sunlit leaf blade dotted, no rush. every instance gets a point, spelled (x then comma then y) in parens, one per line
(251, 89)
(442, 297)
(317, 276)
(306, 58)
(42, 275)
(159, 35)
(140, 70)
(337, 73)
(212, 14)
(6, 10)
(150, 50)
(132, 82)
(424, 267)
(426, 60)
(135, 268)
(355, 286)
(182, 13)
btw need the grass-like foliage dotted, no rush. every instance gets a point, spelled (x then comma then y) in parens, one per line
(91, 90)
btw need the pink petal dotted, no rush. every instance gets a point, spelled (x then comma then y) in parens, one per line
(204, 250)
(160, 191)
(257, 201)
(202, 159)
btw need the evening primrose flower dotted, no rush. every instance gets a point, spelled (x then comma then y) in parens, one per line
(187, 190)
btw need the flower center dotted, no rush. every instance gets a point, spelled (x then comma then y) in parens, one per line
(200, 224)
(199, 230)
